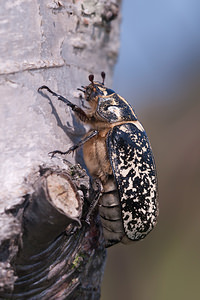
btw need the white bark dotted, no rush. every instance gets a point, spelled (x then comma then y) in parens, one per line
(56, 43)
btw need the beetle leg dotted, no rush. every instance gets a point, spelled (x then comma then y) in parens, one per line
(80, 113)
(71, 228)
(74, 147)
(95, 200)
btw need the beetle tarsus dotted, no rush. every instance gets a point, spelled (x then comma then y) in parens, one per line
(52, 153)
(44, 87)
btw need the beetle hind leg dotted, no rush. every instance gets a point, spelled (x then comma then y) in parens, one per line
(95, 200)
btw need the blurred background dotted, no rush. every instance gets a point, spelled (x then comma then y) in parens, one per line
(158, 72)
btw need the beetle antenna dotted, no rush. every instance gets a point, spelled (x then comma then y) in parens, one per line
(103, 75)
(91, 78)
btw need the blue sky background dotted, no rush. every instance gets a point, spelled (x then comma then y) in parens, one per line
(160, 61)
(160, 47)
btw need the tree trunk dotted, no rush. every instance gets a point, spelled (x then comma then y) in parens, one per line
(47, 250)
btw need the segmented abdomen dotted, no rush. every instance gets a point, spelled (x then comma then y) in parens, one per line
(110, 213)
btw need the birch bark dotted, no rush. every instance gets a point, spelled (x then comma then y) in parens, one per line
(56, 43)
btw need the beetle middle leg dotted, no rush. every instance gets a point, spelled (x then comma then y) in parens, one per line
(74, 147)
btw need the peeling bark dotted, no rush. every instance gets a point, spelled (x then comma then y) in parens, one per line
(47, 250)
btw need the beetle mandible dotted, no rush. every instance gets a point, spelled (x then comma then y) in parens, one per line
(117, 151)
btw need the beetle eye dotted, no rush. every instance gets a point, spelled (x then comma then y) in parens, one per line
(88, 90)
(88, 93)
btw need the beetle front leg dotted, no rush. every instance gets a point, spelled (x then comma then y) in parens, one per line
(79, 112)
(74, 147)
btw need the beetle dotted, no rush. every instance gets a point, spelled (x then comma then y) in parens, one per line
(116, 151)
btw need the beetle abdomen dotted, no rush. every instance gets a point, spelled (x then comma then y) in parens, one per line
(134, 171)
(110, 213)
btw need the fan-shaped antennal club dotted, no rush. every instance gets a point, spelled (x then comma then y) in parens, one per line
(91, 78)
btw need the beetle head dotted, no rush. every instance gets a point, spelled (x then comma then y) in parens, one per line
(105, 104)
(95, 89)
